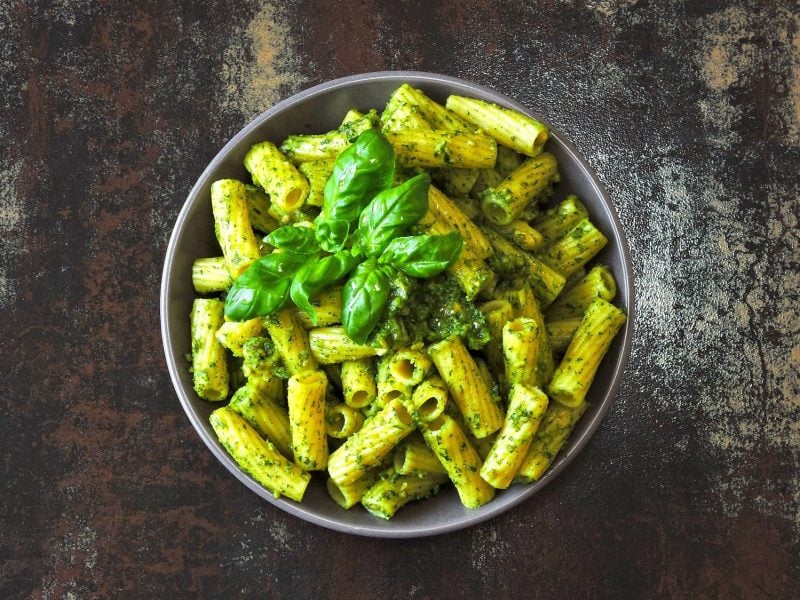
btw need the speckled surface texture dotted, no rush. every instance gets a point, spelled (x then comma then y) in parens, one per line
(688, 111)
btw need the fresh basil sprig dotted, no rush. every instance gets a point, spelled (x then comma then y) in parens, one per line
(364, 297)
(360, 172)
(300, 240)
(264, 287)
(423, 255)
(318, 275)
(391, 213)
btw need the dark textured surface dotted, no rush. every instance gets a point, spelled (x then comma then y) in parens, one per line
(689, 112)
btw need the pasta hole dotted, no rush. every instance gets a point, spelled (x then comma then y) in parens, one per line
(495, 213)
(402, 414)
(292, 200)
(608, 282)
(359, 399)
(436, 424)
(391, 395)
(403, 370)
(212, 394)
(336, 421)
(540, 139)
(428, 408)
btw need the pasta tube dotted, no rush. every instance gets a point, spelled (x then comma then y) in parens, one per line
(271, 170)
(258, 457)
(437, 148)
(306, 400)
(461, 461)
(434, 113)
(591, 341)
(521, 353)
(557, 221)
(509, 127)
(367, 447)
(507, 160)
(209, 365)
(554, 430)
(341, 421)
(392, 491)
(389, 388)
(573, 302)
(347, 496)
(259, 209)
(505, 202)
(577, 247)
(328, 306)
(264, 415)
(291, 341)
(332, 345)
(510, 260)
(428, 400)
(210, 275)
(467, 387)
(413, 457)
(446, 212)
(358, 382)
(232, 225)
(233, 334)
(317, 173)
(522, 234)
(409, 366)
(498, 313)
(525, 410)
(561, 332)
(487, 178)
(327, 146)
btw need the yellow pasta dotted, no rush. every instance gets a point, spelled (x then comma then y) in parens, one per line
(437, 148)
(428, 400)
(332, 345)
(358, 382)
(409, 366)
(392, 491)
(573, 302)
(265, 415)
(341, 421)
(291, 341)
(233, 334)
(306, 399)
(414, 457)
(232, 225)
(273, 172)
(211, 275)
(209, 364)
(505, 202)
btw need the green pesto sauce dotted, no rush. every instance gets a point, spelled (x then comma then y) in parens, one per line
(428, 311)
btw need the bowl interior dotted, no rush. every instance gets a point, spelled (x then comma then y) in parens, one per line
(321, 109)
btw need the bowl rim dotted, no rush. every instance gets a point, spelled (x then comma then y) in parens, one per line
(499, 504)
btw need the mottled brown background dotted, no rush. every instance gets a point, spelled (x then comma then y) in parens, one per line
(690, 113)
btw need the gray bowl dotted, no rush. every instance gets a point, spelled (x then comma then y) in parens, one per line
(317, 110)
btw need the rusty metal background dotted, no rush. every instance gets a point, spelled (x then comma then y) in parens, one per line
(688, 111)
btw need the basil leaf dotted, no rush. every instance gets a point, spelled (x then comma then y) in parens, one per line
(423, 255)
(316, 276)
(263, 287)
(360, 172)
(364, 299)
(300, 240)
(391, 213)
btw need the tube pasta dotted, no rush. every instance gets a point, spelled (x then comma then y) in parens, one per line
(498, 313)
(466, 385)
(358, 382)
(545, 282)
(306, 400)
(273, 172)
(267, 417)
(209, 364)
(389, 388)
(554, 430)
(505, 202)
(347, 496)
(598, 283)
(291, 341)
(558, 220)
(327, 146)
(577, 247)
(509, 127)
(317, 173)
(210, 275)
(332, 345)
(232, 225)
(328, 306)
(259, 209)
(521, 352)
(428, 400)
(392, 491)
(522, 234)
(461, 461)
(561, 332)
(437, 148)
(233, 334)
(414, 457)
(367, 447)
(409, 366)
(526, 407)
(591, 341)
(258, 457)
(341, 421)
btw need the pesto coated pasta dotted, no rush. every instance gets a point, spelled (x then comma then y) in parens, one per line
(400, 337)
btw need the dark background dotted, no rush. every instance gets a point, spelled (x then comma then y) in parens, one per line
(688, 111)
